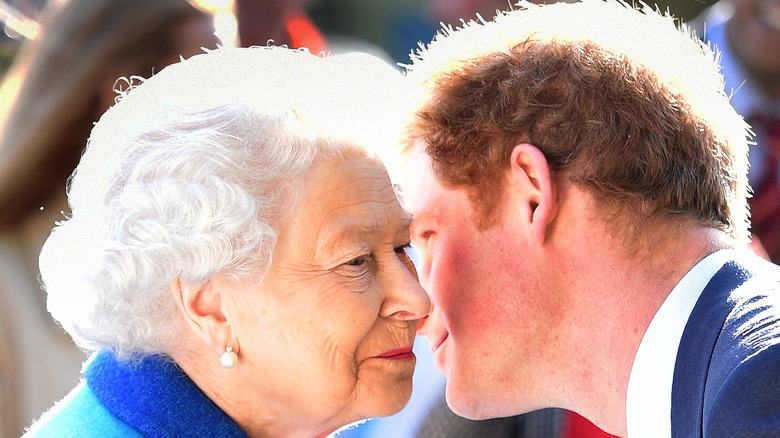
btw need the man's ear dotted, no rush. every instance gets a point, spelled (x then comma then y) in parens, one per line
(530, 176)
(202, 306)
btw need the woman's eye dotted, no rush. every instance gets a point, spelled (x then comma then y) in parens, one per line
(407, 256)
(405, 252)
(358, 268)
(358, 262)
(403, 249)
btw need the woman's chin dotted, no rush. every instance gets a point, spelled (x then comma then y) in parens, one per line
(381, 401)
(393, 401)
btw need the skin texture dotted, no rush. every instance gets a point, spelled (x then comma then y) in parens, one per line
(313, 337)
(466, 271)
(515, 306)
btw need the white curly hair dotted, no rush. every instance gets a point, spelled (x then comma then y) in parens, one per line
(189, 174)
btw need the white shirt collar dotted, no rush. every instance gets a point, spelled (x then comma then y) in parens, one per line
(649, 396)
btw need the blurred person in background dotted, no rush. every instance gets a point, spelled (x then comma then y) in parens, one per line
(278, 22)
(451, 12)
(747, 35)
(288, 23)
(59, 85)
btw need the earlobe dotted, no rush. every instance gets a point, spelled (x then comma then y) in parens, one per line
(531, 174)
(201, 306)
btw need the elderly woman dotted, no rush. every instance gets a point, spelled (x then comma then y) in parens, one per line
(236, 254)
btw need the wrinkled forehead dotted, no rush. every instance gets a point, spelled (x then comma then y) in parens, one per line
(349, 198)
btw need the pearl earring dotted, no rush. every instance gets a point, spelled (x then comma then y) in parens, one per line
(229, 357)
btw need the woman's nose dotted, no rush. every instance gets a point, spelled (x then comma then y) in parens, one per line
(404, 297)
(424, 323)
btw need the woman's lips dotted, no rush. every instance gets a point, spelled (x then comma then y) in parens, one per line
(401, 354)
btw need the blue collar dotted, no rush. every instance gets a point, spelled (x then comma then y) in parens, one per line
(156, 398)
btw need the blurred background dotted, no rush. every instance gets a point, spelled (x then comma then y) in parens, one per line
(397, 25)
(392, 25)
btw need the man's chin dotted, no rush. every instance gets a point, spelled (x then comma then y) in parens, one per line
(480, 406)
(465, 404)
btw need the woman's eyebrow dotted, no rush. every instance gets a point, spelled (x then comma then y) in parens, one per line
(350, 229)
(407, 222)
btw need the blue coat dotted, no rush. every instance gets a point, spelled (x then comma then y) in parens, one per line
(727, 374)
(150, 399)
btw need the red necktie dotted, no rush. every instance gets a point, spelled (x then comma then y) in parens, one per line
(765, 203)
(578, 427)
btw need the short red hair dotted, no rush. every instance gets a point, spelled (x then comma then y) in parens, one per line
(641, 142)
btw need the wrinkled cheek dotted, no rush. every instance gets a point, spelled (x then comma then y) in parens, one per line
(336, 384)
(342, 369)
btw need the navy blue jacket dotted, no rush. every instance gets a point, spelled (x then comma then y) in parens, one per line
(727, 374)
